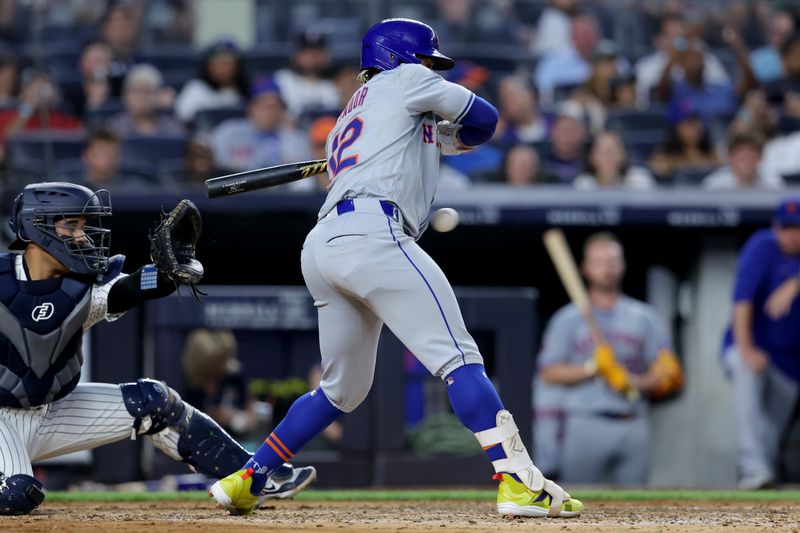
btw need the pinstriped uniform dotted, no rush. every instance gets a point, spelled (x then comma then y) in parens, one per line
(92, 415)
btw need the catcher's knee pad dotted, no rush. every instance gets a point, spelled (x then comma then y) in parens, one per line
(191, 434)
(20, 494)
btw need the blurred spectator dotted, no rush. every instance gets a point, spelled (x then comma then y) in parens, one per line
(755, 115)
(223, 82)
(742, 170)
(302, 85)
(470, 75)
(521, 166)
(456, 21)
(608, 166)
(214, 381)
(596, 95)
(317, 139)
(345, 79)
(520, 119)
(101, 159)
(144, 95)
(565, 159)
(709, 99)
(553, 28)
(199, 163)
(670, 39)
(570, 66)
(766, 61)
(94, 66)
(688, 145)
(630, 351)
(785, 90)
(9, 80)
(760, 350)
(623, 93)
(120, 29)
(39, 97)
(262, 139)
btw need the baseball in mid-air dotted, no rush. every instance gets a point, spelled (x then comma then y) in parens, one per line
(444, 219)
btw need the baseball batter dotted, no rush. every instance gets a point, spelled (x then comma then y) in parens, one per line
(364, 269)
(61, 285)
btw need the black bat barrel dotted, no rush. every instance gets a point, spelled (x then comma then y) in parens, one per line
(261, 178)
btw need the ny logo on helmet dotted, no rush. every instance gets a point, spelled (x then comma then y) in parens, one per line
(43, 312)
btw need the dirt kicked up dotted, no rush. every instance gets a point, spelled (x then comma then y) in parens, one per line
(406, 517)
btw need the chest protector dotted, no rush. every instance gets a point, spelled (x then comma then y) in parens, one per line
(41, 336)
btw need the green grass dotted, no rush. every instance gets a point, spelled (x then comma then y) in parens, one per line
(439, 494)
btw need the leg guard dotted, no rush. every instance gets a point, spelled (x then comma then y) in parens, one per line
(517, 460)
(180, 430)
(20, 494)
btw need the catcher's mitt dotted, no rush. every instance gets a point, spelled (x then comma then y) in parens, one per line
(172, 245)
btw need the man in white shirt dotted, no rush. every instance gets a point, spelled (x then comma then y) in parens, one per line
(742, 170)
(302, 85)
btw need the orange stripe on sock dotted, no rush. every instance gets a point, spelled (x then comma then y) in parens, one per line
(282, 445)
(276, 450)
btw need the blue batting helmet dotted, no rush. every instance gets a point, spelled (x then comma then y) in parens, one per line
(391, 42)
(38, 209)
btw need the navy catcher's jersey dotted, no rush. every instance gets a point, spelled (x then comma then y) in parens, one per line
(42, 324)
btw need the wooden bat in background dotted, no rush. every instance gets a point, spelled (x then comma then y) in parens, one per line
(563, 260)
(261, 178)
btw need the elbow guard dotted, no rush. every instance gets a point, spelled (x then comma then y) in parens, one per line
(479, 123)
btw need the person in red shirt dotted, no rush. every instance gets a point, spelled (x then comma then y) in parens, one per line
(37, 108)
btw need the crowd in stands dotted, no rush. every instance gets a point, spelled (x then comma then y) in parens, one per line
(591, 94)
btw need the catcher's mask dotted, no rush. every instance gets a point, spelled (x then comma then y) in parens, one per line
(40, 206)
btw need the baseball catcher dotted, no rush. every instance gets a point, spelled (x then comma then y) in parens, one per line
(59, 283)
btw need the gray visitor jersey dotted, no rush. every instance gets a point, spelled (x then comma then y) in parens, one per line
(384, 142)
(633, 329)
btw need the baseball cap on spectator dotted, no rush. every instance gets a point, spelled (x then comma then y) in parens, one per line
(320, 128)
(571, 109)
(265, 85)
(468, 74)
(788, 212)
(312, 39)
(223, 45)
(605, 49)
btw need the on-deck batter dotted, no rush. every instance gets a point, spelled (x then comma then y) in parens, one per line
(364, 269)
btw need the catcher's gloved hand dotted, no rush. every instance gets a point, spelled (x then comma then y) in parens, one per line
(449, 144)
(172, 245)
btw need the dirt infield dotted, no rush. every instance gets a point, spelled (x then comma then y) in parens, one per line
(406, 517)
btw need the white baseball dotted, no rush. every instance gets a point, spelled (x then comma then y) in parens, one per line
(444, 219)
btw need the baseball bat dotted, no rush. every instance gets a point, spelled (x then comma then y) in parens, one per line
(563, 260)
(261, 178)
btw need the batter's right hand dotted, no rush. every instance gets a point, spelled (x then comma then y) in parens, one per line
(755, 359)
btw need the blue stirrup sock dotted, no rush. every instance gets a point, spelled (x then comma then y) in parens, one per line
(476, 404)
(307, 417)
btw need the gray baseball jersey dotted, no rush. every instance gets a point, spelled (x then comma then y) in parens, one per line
(632, 328)
(384, 142)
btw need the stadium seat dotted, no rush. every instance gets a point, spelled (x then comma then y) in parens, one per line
(640, 144)
(693, 176)
(206, 119)
(100, 116)
(267, 60)
(153, 149)
(625, 120)
(34, 150)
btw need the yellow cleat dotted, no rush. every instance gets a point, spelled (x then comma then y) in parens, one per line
(515, 499)
(233, 492)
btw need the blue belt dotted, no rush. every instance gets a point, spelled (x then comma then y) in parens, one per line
(347, 205)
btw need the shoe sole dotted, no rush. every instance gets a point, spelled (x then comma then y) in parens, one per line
(291, 493)
(512, 509)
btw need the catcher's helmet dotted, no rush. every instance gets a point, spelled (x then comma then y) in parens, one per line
(393, 41)
(40, 206)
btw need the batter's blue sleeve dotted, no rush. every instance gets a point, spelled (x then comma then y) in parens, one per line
(479, 123)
